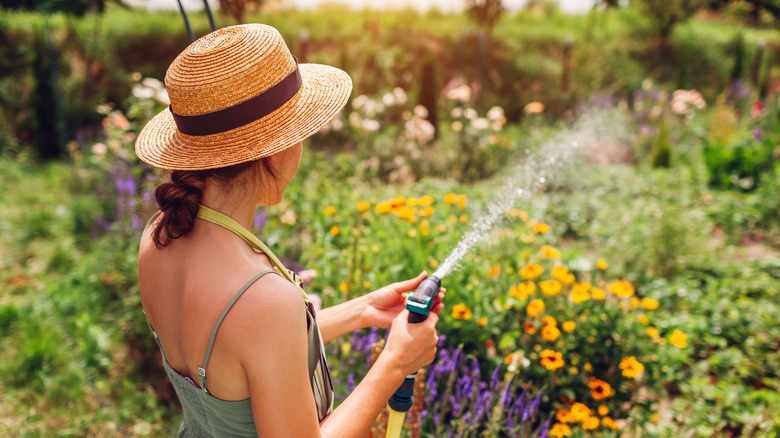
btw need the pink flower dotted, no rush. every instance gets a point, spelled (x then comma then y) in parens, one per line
(316, 302)
(307, 275)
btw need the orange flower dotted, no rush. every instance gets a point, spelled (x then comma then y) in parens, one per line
(482, 322)
(591, 423)
(461, 311)
(426, 200)
(610, 423)
(550, 252)
(622, 288)
(541, 228)
(550, 287)
(598, 294)
(549, 320)
(535, 308)
(560, 430)
(529, 328)
(602, 265)
(523, 290)
(599, 389)
(531, 271)
(450, 199)
(631, 367)
(678, 339)
(461, 202)
(363, 206)
(579, 292)
(580, 412)
(551, 360)
(335, 230)
(330, 210)
(569, 326)
(550, 333)
(564, 416)
(649, 303)
(494, 272)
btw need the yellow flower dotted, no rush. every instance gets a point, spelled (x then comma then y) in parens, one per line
(426, 212)
(678, 339)
(450, 199)
(535, 308)
(559, 272)
(622, 288)
(602, 265)
(652, 332)
(426, 200)
(334, 230)
(550, 287)
(461, 311)
(631, 367)
(462, 202)
(384, 207)
(603, 410)
(579, 292)
(597, 294)
(550, 252)
(330, 210)
(363, 206)
(564, 416)
(634, 303)
(649, 303)
(541, 228)
(518, 213)
(610, 423)
(550, 333)
(523, 290)
(407, 213)
(591, 423)
(531, 271)
(433, 264)
(424, 227)
(412, 232)
(549, 320)
(643, 319)
(494, 272)
(599, 389)
(412, 202)
(343, 286)
(482, 321)
(551, 360)
(559, 429)
(569, 326)
(574, 371)
(463, 218)
(533, 107)
(580, 412)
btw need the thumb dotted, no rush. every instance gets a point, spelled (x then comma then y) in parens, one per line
(411, 284)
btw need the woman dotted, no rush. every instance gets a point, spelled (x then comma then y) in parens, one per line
(240, 341)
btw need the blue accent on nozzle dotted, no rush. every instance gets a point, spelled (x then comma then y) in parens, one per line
(403, 397)
(421, 300)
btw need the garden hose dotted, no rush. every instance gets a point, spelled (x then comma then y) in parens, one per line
(419, 306)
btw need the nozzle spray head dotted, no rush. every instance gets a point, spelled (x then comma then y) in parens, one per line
(420, 302)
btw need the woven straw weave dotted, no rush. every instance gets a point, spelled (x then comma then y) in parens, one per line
(228, 67)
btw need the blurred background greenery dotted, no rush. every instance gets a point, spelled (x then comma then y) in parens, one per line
(658, 251)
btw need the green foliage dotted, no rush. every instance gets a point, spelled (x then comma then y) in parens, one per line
(666, 13)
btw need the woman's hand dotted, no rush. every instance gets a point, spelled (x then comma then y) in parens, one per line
(383, 305)
(412, 346)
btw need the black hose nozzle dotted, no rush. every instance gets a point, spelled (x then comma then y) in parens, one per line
(419, 305)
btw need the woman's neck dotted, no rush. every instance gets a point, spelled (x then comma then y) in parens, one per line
(236, 202)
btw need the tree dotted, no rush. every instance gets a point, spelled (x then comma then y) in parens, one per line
(485, 13)
(666, 13)
(237, 8)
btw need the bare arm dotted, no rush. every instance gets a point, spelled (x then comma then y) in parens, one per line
(275, 361)
(376, 309)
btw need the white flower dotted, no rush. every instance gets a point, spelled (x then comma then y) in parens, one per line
(469, 113)
(457, 112)
(480, 123)
(461, 93)
(143, 92)
(421, 112)
(371, 125)
(355, 120)
(99, 149)
(388, 99)
(152, 83)
(360, 101)
(496, 114)
(288, 217)
(400, 95)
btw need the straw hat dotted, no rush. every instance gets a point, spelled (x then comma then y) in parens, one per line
(237, 95)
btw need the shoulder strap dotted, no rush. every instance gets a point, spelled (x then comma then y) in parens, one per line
(225, 221)
(202, 369)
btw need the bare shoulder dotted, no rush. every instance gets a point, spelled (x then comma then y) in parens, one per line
(271, 307)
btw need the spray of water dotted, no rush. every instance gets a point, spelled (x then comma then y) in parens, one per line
(539, 168)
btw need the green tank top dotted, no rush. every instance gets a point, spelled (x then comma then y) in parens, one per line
(209, 416)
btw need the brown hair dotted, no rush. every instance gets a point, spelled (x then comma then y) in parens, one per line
(180, 198)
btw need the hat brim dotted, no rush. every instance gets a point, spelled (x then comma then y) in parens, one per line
(324, 92)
